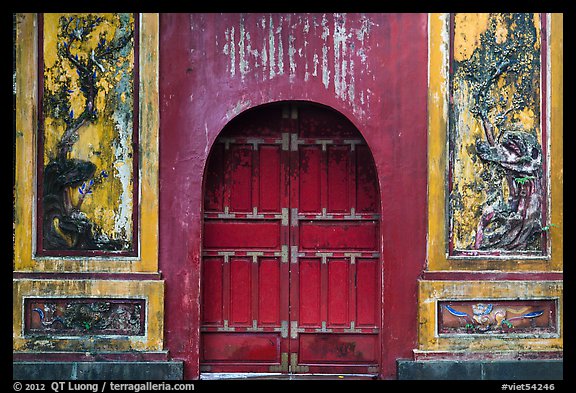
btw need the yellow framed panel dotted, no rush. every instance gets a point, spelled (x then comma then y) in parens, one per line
(438, 118)
(25, 226)
(431, 292)
(151, 291)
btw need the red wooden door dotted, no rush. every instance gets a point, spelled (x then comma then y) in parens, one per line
(291, 265)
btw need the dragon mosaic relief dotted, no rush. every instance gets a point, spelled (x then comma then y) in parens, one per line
(497, 199)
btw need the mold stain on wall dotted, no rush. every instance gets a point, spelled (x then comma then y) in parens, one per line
(87, 134)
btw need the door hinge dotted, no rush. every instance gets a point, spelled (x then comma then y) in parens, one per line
(324, 214)
(352, 215)
(353, 143)
(226, 213)
(254, 255)
(284, 216)
(324, 256)
(293, 112)
(255, 142)
(226, 328)
(227, 142)
(226, 255)
(283, 329)
(294, 254)
(283, 366)
(294, 367)
(352, 328)
(254, 327)
(294, 142)
(284, 253)
(285, 141)
(294, 217)
(294, 329)
(352, 256)
(324, 142)
(323, 328)
(255, 213)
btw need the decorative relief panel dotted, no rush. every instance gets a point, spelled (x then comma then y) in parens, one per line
(500, 316)
(88, 133)
(86, 90)
(497, 139)
(77, 317)
(507, 317)
(73, 315)
(495, 156)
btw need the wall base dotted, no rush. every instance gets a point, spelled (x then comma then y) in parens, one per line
(528, 370)
(116, 370)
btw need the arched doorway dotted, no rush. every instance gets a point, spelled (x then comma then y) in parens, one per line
(291, 269)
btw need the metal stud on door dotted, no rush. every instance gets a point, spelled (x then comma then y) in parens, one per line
(291, 270)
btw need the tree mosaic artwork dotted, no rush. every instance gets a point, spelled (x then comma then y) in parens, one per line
(497, 191)
(87, 119)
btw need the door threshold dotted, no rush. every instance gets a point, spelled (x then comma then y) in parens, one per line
(280, 376)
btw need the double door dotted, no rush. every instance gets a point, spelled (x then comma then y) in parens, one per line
(291, 271)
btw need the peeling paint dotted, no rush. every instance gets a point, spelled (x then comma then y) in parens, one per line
(325, 48)
(238, 108)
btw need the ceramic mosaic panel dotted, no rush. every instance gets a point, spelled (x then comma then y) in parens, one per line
(497, 136)
(88, 139)
(77, 317)
(497, 317)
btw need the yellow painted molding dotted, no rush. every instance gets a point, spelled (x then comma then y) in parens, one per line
(25, 258)
(26, 113)
(152, 291)
(556, 102)
(430, 292)
(438, 120)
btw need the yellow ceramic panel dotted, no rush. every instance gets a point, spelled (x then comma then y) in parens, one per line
(101, 48)
(439, 222)
(152, 291)
(87, 147)
(482, 41)
(432, 292)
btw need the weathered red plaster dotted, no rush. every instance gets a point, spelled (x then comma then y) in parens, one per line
(376, 75)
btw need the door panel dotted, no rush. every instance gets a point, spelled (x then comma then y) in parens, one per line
(309, 274)
(240, 347)
(339, 348)
(338, 300)
(291, 265)
(240, 292)
(337, 234)
(212, 301)
(309, 177)
(269, 276)
(242, 234)
(269, 166)
(366, 284)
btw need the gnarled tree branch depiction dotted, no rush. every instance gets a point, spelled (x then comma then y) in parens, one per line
(64, 225)
(500, 67)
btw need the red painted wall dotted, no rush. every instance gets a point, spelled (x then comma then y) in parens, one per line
(372, 68)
